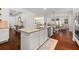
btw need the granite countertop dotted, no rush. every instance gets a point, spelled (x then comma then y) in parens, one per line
(32, 30)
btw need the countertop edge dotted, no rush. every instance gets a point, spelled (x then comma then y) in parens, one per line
(34, 31)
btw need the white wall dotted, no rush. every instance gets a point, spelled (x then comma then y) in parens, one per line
(71, 22)
(5, 16)
(63, 16)
(75, 10)
(27, 18)
(12, 20)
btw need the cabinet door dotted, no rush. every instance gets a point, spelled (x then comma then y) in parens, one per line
(25, 42)
(4, 34)
(30, 41)
(45, 35)
(42, 37)
(34, 40)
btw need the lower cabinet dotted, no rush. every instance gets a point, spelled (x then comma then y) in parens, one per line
(46, 35)
(25, 45)
(34, 40)
(29, 41)
(43, 36)
(4, 35)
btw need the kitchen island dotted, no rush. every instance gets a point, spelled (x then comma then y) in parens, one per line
(32, 39)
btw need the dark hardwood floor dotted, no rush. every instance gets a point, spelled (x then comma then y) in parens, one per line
(64, 41)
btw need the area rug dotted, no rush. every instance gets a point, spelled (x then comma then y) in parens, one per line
(49, 45)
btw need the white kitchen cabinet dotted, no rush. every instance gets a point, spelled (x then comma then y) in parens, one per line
(30, 41)
(33, 40)
(46, 34)
(43, 36)
(25, 41)
(4, 35)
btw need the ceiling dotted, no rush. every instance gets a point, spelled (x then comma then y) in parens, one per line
(13, 12)
(48, 11)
